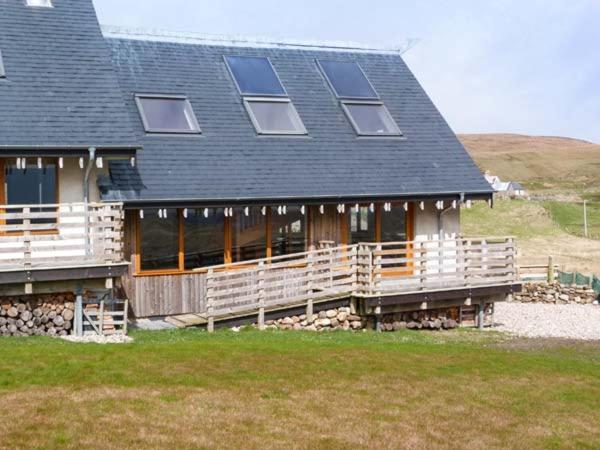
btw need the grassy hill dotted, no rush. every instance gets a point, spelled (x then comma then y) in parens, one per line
(558, 173)
(552, 166)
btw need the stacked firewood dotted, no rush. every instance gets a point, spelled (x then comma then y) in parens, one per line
(47, 315)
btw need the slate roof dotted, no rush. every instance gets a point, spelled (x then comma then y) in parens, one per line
(229, 161)
(60, 89)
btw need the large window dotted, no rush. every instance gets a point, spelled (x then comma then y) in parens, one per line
(167, 114)
(370, 119)
(248, 235)
(288, 232)
(394, 225)
(347, 79)
(159, 240)
(31, 184)
(361, 225)
(204, 238)
(266, 101)
(271, 116)
(40, 3)
(361, 103)
(254, 76)
(2, 72)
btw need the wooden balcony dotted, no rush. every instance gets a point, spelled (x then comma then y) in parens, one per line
(377, 274)
(53, 242)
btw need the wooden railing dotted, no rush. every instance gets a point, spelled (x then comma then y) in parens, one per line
(61, 235)
(358, 270)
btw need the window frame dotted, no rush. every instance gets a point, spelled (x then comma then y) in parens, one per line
(2, 69)
(188, 109)
(228, 244)
(357, 129)
(253, 95)
(4, 201)
(48, 5)
(296, 117)
(335, 92)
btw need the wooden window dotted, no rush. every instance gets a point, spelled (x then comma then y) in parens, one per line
(159, 240)
(248, 235)
(34, 184)
(394, 224)
(365, 225)
(204, 238)
(361, 225)
(288, 232)
(178, 244)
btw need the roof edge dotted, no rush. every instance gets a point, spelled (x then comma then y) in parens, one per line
(158, 35)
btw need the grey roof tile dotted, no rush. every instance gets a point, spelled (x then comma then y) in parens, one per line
(229, 161)
(60, 87)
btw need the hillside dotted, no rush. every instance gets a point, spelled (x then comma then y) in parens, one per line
(561, 171)
(553, 166)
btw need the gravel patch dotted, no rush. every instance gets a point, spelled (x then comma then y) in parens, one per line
(547, 321)
(96, 339)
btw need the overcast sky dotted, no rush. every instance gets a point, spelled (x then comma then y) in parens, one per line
(519, 66)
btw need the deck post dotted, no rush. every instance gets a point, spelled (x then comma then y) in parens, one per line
(261, 295)
(101, 318)
(210, 326)
(550, 269)
(309, 310)
(79, 315)
(378, 275)
(27, 242)
(481, 312)
(378, 319)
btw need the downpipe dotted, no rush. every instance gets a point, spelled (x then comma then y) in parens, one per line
(86, 198)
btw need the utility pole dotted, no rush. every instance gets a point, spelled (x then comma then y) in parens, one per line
(585, 224)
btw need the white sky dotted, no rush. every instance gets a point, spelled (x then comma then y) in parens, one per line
(519, 66)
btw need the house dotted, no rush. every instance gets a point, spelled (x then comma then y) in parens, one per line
(229, 178)
(510, 189)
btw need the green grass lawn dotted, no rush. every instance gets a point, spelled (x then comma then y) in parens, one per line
(569, 217)
(191, 389)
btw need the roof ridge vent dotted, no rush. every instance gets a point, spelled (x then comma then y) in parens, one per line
(158, 35)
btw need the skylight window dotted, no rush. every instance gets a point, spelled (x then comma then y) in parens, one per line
(274, 116)
(40, 3)
(347, 80)
(366, 112)
(2, 72)
(370, 119)
(167, 114)
(266, 101)
(254, 76)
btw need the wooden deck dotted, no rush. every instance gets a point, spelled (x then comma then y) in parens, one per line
(60, 242)
(368, 271)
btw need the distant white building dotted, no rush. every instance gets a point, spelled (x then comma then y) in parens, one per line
(509, 188)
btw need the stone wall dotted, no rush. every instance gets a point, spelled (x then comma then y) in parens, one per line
(28, 315)
(556, 293)
(342, 319)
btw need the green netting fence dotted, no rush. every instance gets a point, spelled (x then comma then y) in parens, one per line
(578, 279)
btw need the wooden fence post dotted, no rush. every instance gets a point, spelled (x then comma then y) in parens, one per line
(209, 301)
(378, 275)
(101, 318)
(261, 295)
(550, 269)
(79, 315)
(310, 265)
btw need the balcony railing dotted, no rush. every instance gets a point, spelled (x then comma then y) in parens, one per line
(365, 270)
(61, 235)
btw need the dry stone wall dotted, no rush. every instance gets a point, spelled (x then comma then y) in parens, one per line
(556, 293)
(342, 319)
(50, 315)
